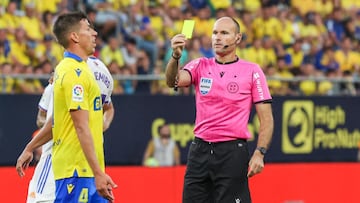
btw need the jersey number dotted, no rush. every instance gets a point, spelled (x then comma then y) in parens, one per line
(84, 195)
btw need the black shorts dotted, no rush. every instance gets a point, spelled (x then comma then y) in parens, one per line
(217, 172)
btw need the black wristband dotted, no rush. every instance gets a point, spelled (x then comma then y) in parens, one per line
(176, 58)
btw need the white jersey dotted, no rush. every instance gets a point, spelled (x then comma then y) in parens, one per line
(42, 184)
(103, 77)
(46, 104)
(41, 188)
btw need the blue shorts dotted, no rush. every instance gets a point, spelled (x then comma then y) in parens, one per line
(77, 190)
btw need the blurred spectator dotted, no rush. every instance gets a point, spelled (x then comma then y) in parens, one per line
(194, 49)
(297, 55)
(41, 6)
(274, 84)
(32, 25)
(224, 4)
(205, 46)
(241, 50)
(281, 53)
(357, 25)
(348, 87)
(349, 4)
(127, 85)
(130, 54)
(49, 50)
(311, 56)
(303, 6)
(162, 150)
(252, 5)
(326, 87)
(143, 66)
(20, 52)
(5, 45)
(159, 87)
(47, 20)
(158, 19)
(114, 69)
(324, 7)
(256, 53)
(266, 25)
(269, 51)
(46, 67)
(29, 85)
(10, 19)
(204, 22)
(284, 71)
(111, 52)
(309, 30)
(346, 57)
(175, 23)
(7, 82)
(350, 29)
(198, 4)
(104, 17)
(308, 86)
(335, 25)
(287, 36)
(136, 24)
(328, 62)
(243, 17)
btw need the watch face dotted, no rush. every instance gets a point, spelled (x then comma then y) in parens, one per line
(262, 150)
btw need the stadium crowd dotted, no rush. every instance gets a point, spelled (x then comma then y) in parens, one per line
(305, 47)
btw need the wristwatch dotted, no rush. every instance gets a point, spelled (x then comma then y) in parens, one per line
(262, 150)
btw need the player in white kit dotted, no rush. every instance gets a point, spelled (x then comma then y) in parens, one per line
(42, 185)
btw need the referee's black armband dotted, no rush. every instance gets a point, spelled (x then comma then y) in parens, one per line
(268, 101)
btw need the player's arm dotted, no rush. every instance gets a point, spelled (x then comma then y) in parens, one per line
(264, 112)
(149, 151)
(109, 112)
(80, 119)
(174, 76)
(81, 123)
(41, 118)
(26, 156)
(177, 155)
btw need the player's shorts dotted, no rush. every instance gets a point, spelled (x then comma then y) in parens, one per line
(77, 189)
(42, 184)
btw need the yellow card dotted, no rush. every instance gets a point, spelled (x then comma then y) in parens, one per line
(188, 28)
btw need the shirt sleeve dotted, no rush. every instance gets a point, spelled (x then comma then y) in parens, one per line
(192, 68)
(260, 90)
(76, 88)
(46, 97)
(110, 90)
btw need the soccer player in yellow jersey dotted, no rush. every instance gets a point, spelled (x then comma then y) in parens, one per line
(78, 154)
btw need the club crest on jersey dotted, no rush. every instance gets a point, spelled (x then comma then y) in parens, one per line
(232, 87)
(205, 85)
(78, 93)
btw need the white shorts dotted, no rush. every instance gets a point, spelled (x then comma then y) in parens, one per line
(42, 184)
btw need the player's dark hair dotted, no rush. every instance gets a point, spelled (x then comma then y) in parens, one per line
(65, 24)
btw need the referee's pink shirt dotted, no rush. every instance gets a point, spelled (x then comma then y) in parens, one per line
(225, 94)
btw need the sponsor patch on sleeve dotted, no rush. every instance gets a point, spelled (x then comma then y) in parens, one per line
(78, 93)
